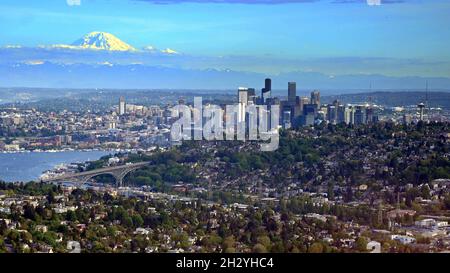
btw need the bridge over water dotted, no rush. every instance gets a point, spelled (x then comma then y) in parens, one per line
(118, 172)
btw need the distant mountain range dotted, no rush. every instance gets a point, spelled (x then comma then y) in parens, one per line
(108, 75)
(102, 60)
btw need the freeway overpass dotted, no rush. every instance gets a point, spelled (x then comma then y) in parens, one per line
(118, 172)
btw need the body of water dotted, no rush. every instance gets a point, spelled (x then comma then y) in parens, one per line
(25, 167)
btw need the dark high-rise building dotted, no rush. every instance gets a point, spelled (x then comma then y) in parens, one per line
(369, 115)
(298, 106)
(315, 98)
(251, 95)
(292, 92)
(268, 85)
(265, 92)
(286, 119)
(309, 115)
(360, 115)
(310, 109)
(332, 112)
(341, 113)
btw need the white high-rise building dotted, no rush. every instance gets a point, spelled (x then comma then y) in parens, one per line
(242, 103)
(122, 106)
(348, 115)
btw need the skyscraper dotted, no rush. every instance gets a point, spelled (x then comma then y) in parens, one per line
(349, 115)
(243, 100)
(292, 92)
(298, 108)
(309, 114)
(251, 95)
(268, 84)
(122, 106)
(286, 119)
(341, 114)
(331, 113)
(243, 95)
(300, 103)
(369, 114)
(266, 90)
(421, 106)
(360, 115)
(315, 97)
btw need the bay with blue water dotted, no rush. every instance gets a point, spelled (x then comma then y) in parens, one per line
(25, 167)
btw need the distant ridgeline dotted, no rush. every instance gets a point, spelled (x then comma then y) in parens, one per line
(50, 99)
(391, 99)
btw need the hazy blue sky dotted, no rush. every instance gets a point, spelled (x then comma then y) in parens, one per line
(326, 34)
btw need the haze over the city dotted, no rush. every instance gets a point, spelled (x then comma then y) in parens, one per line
(329, 44)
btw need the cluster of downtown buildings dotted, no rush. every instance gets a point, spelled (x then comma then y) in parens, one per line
(127, 126)
(135, 126)
(306, 111)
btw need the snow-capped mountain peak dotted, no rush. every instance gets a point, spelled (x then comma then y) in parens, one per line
(169, 51)
(150, 48)
(102, 41)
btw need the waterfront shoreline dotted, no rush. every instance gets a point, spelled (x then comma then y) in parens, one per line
(26, 167)
(70, 150)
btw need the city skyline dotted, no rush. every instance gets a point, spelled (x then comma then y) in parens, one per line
(241, 127)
